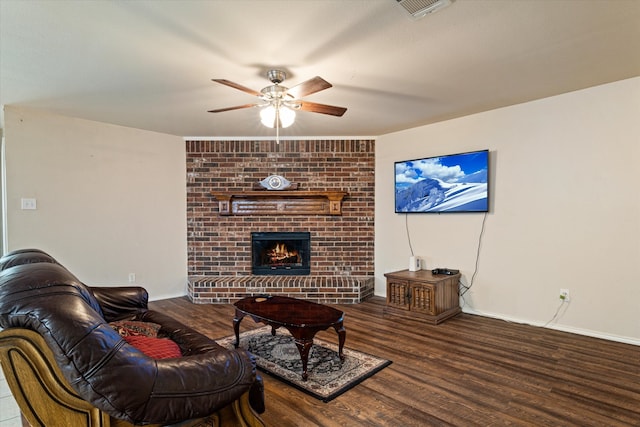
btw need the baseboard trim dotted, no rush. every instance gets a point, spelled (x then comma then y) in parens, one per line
(563, 328)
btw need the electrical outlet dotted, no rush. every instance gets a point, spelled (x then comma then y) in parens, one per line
(564, 295)
(132, 277)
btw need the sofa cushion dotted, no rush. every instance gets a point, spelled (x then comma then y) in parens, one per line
(128, 328)
(25, 256)
(156, 348)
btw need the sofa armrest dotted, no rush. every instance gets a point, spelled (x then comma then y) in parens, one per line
(192, 342)
(120, 302)
(197, 385)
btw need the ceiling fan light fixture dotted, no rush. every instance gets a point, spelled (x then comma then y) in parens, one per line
(279, 104)
(271, 116)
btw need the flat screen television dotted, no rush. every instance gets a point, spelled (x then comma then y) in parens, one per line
(450, 183)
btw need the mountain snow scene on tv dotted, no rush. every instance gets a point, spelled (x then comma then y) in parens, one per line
(453, 183)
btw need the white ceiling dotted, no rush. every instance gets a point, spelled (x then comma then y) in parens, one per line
(149, 64)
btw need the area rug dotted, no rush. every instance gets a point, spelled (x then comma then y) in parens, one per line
(328, 376)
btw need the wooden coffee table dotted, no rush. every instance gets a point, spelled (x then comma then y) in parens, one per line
(303, 319)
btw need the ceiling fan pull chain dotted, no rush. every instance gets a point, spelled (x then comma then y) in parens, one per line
(278, 125)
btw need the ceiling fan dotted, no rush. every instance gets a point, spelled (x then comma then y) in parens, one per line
(275, 97)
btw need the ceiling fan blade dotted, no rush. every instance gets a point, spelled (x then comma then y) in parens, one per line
(322, 108)
(237, 107)
(237, 86)
(308, 87)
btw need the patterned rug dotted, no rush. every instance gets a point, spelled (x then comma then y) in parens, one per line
(328, 376)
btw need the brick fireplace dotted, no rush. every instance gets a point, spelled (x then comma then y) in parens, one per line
(219, 246)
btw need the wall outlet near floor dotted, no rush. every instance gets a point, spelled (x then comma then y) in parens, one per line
(564, 295)
(132, 277)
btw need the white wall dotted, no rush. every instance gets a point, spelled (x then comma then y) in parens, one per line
(565, 211)
(111, 200)
(565, 206)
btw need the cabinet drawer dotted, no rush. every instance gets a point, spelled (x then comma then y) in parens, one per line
(398, 294)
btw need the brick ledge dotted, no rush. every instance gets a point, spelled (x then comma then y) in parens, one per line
(321, 289)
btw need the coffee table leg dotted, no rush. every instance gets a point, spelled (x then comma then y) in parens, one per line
(342, 336)
(303, 347)
(236, 327)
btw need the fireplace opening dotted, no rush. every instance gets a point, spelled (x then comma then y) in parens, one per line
(280, 253)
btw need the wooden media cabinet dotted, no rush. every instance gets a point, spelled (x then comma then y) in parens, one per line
(421, 294)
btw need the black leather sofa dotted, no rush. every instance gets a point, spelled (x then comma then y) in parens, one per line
(39, 294)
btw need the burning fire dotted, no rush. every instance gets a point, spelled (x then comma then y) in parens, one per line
(281, 254)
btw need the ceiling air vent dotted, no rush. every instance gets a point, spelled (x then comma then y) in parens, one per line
(420, 8)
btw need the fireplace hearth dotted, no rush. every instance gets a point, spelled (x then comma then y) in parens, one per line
(280, 253)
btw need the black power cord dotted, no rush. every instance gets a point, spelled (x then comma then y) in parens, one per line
(406, 225)
(563, 303)
(464, 288)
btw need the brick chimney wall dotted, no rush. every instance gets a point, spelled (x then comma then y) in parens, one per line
(341, 246)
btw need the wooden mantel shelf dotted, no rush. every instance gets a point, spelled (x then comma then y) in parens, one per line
(279, 202)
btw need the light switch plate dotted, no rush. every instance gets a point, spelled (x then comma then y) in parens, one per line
(28, 204)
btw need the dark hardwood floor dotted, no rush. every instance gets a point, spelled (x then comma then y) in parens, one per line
(467, 371)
